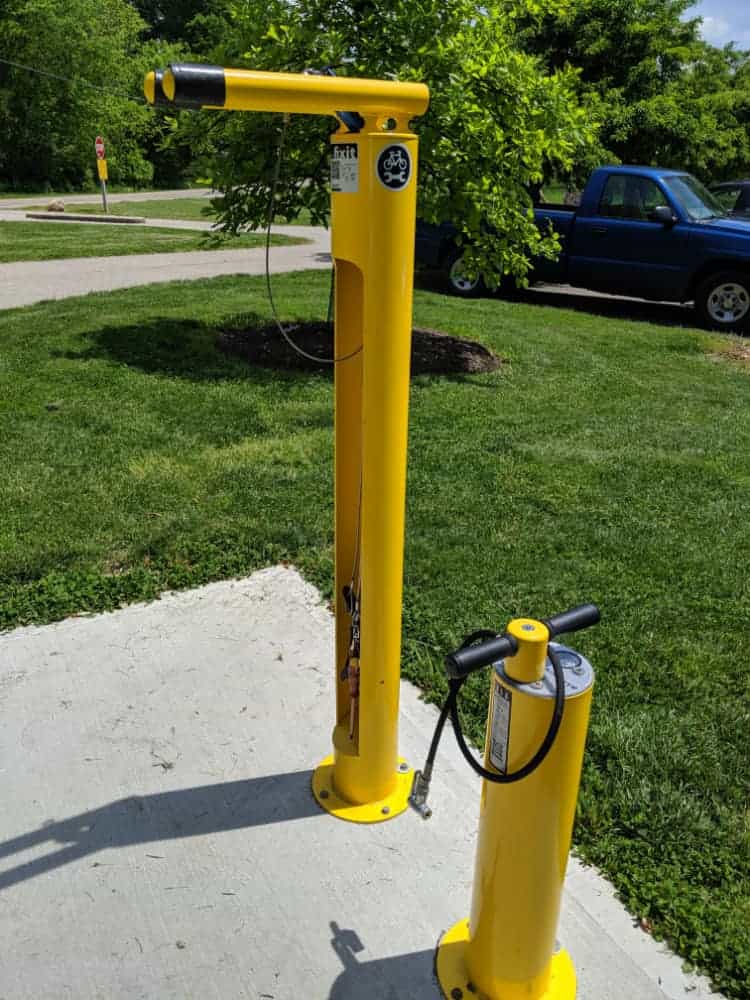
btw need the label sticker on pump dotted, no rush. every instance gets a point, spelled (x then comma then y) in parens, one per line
(500, 730)
(345, 168)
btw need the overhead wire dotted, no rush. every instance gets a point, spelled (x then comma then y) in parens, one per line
(74, 80)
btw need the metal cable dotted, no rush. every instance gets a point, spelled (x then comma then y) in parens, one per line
(284, 333)
(355, 581)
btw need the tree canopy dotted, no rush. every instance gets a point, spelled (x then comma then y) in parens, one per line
(49, 122)
(663, 95)
(520, 88)
(496, 117)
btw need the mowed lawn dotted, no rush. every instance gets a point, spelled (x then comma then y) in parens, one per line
(191, 209)
(54, 240)
(199, 209)
(608, 460)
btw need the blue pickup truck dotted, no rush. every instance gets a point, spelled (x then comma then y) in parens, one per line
(638, 231)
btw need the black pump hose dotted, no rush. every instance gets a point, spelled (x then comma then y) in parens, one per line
(450, 707)
(545, 746)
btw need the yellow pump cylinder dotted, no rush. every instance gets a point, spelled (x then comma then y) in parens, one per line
(507, 948)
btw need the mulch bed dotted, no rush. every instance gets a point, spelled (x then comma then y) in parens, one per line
(432, 352)
(734, 352)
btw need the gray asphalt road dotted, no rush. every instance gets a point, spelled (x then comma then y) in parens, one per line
(26, 283)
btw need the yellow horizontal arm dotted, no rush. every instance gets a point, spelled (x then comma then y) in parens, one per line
(198, 85)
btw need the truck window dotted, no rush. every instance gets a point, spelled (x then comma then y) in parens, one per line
(629, 197)
(727, 197)
(694, 199)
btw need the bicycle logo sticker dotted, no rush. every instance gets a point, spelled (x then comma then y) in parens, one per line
(394, 167)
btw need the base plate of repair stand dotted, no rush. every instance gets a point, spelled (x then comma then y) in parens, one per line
(455, 981)
(371, 812)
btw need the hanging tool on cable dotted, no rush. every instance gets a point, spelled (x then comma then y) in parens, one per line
(351, 667)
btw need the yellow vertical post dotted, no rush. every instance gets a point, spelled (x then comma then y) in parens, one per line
(373, 208)
(372, 223)
(507, 948)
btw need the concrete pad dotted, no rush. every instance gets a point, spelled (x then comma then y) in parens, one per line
(159, 838)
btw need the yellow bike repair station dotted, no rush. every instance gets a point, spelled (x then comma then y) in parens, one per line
(373, 212)
(540, 691)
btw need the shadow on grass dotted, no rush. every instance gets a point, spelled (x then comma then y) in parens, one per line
(252, 347)
(143, 819)
(181, 348)
(637, 310)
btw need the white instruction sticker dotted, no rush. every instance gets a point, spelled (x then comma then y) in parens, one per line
(345, 168)
(500, 727)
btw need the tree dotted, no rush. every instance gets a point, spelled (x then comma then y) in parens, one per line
(49, 123)
(664, 96)
(495, 116)
(172, 20)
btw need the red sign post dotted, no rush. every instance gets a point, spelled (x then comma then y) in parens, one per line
(101, 166)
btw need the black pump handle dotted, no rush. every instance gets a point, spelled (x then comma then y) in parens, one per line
(464, 661)
(469, 658)
(574, 620)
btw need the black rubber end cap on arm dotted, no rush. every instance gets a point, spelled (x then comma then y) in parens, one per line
(198, 85)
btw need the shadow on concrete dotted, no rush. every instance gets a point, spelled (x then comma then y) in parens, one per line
(141, 819)
(401, 977)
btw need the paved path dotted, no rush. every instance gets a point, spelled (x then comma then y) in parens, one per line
(159, 838)
(25, 282)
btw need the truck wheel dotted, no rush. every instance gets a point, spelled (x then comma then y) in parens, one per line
(723, 301)
(458, 283)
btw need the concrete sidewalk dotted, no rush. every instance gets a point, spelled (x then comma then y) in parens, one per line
(159, 838)
(25, 282)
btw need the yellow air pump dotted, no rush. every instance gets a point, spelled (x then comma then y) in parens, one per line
(540, 698)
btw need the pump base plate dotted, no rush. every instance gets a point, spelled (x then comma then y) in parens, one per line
(456, 983)
(370, 812)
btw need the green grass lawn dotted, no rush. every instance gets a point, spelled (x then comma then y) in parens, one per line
(53, 240)
(187, 209)
(167, 208)
(608, 461)
(554, 193)
(164, 208)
